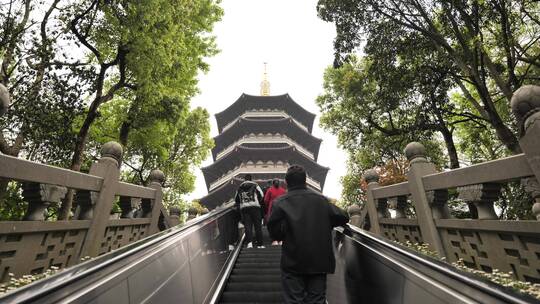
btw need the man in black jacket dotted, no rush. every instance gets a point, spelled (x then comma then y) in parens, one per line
(303, 219)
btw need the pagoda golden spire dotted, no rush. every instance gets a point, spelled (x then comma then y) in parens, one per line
(265, 84)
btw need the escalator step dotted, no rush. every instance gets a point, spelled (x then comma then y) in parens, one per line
(261, 265)
(251, 297)
(249, 271)
(255, 278)
(254, 286)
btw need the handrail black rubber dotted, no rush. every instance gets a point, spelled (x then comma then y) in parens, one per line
(485, 286)
(226, 272)
(49, 285)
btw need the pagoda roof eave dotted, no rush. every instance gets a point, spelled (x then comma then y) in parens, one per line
(286, 126)
(294, 109)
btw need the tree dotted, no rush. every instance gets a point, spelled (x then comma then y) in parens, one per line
(62, 61)
(492, 44)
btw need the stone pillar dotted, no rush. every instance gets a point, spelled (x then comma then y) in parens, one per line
(420, 167)
(399, 204)
(85, 204)
(108, 167)
(482, 197)
(438, 200)
(156, 179)
(372, 179)
(4, 99)
(526, 108)
(39, 197)
(354, 215)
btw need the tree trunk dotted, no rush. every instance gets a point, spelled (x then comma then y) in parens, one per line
(450, 147)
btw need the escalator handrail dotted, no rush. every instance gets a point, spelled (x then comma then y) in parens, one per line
(80, 271)
(488, 287)
(225, 273)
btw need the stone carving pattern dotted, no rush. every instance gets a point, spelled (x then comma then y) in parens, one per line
(118, 236)
(531, 186)
(24, 253)
(488, 250)
(402, 233)
(482, 197)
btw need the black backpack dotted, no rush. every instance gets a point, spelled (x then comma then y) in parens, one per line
(247, 193)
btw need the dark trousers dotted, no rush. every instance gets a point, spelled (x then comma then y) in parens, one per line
(303, 288)
(251, 216)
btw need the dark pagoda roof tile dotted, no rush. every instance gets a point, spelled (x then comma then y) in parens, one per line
(249, 102)
(285, 126)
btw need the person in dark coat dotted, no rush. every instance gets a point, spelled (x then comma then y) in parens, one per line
(303, 219)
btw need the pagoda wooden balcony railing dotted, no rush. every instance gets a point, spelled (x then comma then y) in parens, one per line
(254, 169)
(262, 139)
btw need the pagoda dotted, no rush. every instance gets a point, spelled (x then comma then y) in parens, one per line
(261, 135)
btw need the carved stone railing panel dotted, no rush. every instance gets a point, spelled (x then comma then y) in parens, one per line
(401, 230)
(33, 252)
(509, 246)
(122, 232)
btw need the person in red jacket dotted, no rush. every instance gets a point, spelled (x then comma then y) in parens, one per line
(272, 193)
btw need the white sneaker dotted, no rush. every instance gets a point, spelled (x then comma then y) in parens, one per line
(261, 246)
(250, 245)
(231, 247)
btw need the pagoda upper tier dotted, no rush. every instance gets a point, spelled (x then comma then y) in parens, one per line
(262, 160)
(249, 105)
(280, 130)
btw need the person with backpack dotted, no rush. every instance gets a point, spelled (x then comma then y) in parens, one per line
(248, 200)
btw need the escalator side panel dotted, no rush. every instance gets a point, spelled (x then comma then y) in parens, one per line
(180, 265)
(373, 270)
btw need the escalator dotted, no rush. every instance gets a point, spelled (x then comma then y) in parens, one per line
(205, 262)
(255, 277)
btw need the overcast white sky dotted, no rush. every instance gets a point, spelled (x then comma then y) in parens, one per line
(297, 46)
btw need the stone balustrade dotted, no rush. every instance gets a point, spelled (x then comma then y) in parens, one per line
(34, 244)
(483, 242)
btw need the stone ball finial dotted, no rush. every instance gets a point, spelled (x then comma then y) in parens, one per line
(525, 102)
(354, 210)
(157, 176)
(414, 150)
(371, 176)
(4, 99)
(113, 150)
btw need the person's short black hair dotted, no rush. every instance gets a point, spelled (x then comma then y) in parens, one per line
(295, 176)
(247, 177)
(275, 182)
